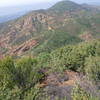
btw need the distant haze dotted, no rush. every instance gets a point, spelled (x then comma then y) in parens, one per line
(5, 3)
(15, 9)
(10, 9)
(12, 12)
(14, 6)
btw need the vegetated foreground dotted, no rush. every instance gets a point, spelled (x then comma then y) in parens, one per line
(68, 73)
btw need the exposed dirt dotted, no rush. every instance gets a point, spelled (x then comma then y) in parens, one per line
(56, 85)
(22, 48)
(86, 36)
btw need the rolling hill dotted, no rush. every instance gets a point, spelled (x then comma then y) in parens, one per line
(45, 30)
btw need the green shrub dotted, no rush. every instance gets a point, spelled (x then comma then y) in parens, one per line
(18, 77)
(32, 94)
(92, 68)
(79, 94)
(7, 72)
(10, 94)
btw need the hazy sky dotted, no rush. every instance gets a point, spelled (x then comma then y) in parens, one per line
(25, 2)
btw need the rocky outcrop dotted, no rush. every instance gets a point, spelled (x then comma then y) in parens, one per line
(22, 48)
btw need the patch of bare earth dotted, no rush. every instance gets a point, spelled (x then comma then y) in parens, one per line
(86, 36)
(57, 85)
(22, 48)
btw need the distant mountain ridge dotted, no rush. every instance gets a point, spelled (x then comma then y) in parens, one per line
(44, 30)
(94, 3)
(9, 17)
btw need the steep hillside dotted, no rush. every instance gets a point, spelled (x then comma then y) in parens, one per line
(43, 30)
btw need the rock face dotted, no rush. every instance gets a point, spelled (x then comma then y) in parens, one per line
(59, 86)
(22, 48)
(86, 36)
(67, 16)
(1, 56)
